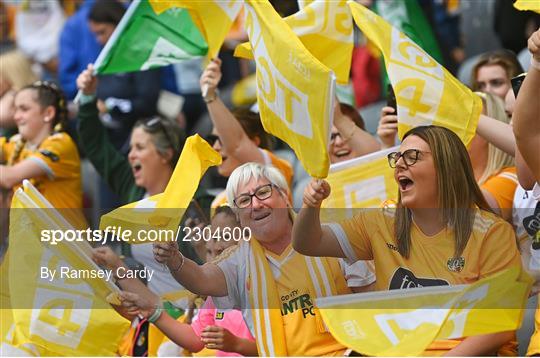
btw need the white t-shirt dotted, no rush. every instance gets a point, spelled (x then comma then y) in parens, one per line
(235, 269)
(526, 220)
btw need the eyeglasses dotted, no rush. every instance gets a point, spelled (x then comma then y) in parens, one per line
(333, 136)
(46, 84)
(262, 193)
(155, 124)
(212, 139)
(410, 157)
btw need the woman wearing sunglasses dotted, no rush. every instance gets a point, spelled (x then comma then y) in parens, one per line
(441, 233)
(155, 147)
(348, 138)
(237, 135)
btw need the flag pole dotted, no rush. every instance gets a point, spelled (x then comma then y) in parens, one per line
(116, 33)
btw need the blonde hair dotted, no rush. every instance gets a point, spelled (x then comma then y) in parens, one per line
(458, 192)
(497, 159)
(17, 70)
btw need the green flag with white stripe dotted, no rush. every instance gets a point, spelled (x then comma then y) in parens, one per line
(144, 40)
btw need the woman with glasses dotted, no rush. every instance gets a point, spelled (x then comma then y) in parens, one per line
(42, 152)
(348, 138)
(241, 135)
(155, 147)
(265, 271)
(441, 233)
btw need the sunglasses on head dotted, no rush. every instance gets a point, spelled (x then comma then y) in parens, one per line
(155, 124)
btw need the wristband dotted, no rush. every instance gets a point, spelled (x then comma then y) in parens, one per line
(179, 266)
(208, 99)
(157, 313)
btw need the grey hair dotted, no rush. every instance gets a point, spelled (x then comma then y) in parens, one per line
(246, 172)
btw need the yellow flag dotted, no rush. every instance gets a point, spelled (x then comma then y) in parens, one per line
(295, 91)
(214, 18)
(364, 182)
(426, 93)
(533, 5)
(406, 322)
(61, 315)
(165, 210)
(326, 30)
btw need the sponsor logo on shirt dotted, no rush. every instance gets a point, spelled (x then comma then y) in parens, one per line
(532, 226)
(455, 264)
(49, 155)
(404, 278)
(294, 301)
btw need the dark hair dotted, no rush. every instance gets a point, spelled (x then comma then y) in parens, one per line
(107, 11)
(166, 135)
(353, 114)
(48, 94)
(252, 125)
(504, 58)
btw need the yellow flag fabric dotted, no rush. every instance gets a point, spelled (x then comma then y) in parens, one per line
(364, 182)
(426, 93)
(405, 322)
(214, 18)
(64, 316)
(295, 91)
(533, 5)
(165, 210)
(326, 30)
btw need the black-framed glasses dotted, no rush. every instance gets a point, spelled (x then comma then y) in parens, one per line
(155, 124)
(333, 136)
(262, 192)
(410, 157)
(212, 139)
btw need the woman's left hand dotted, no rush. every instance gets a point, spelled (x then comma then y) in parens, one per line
(215, 337)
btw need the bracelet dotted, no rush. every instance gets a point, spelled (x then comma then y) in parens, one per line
(157, 313)
(208, 99)
(179, 266)
(535, 64)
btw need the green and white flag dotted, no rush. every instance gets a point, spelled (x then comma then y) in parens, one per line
(144, 40)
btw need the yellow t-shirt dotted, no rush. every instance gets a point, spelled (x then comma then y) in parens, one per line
(305, 332)
(58, 156)
(534, 345)
(502, 187)
(370, 236)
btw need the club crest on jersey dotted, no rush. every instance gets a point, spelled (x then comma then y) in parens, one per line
(219, 315)
(455, 264)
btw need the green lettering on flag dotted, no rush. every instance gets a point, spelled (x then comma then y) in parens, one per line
(144, 40)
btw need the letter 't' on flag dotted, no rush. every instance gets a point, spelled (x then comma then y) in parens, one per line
(295, 91)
